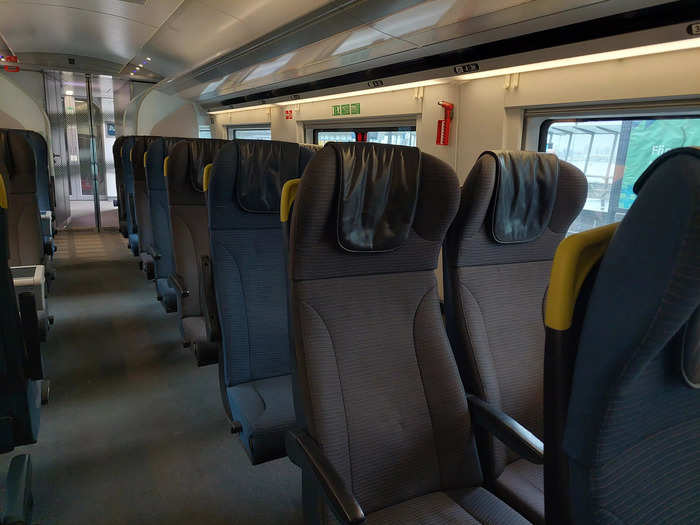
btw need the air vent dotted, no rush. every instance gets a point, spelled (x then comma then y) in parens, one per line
(140, 2)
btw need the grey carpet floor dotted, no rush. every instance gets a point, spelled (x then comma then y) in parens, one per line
(135, 433)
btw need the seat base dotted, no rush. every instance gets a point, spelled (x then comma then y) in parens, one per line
(265, 410)
(20, 501)
(521, 484)
(472, 506)
(166, 295)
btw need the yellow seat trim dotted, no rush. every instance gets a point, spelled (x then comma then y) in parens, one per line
(131, 155)
(145, 158)
(573, 260)
(289, 193)
(206, 178)
(165, 166)
(3, 193)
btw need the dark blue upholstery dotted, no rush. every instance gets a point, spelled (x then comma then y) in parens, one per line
(19, 396)
(128, 180)
(250, 283)
(633, 425)
(160, 218)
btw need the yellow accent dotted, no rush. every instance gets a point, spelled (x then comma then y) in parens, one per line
(3, 193)
(145, 158)
(289, 193)
(131, 155)
(574, 259)
(165, 166)
(207, 176)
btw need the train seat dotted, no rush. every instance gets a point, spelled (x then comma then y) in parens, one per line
(249, 279)
(623, 313)
(386, 434)
(162, 247)
(121, 201)
(128, 181)
(141, 204)
(44, 186)
(20, 391)
(516, 207)
(190, 233)
(27, 244)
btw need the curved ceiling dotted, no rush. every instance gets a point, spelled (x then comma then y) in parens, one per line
(113, 36)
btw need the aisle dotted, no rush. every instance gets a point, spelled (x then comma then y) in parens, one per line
(135, 433)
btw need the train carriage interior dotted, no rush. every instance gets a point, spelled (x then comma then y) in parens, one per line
(350, 261)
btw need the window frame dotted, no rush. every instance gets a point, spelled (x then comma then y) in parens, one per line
(362, 129)
(689, 112)
(232, 128)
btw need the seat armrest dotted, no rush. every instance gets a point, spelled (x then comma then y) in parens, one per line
(507, 430)
(19, 502)
(305, 453)
(153, 252)
(177, 282)
(209, 309)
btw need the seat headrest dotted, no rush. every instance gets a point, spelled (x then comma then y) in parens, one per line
(377, 196)
(157, 150)
(188, 158)
(399, 231)
(17, 162)
(140, 147)
(226, 206)
(524, 196)
(263, 168)
(510, 213)
(647, 173)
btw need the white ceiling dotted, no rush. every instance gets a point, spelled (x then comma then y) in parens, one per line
(176, 34)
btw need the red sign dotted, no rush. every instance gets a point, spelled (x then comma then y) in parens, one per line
(11, 58)
(289, 114)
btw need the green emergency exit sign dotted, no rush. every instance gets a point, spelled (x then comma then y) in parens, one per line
(346, 109)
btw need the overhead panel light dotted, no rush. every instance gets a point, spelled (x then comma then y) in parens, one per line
(236, 110)
(397, 87)
(267, 68)
(69, 93)
(148, 58)
(653, 49)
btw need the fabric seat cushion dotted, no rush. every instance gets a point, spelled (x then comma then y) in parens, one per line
(471, 506)
(522, 483)
(265, 410)
(194, 329)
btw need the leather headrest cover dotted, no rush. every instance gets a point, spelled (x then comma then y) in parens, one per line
(378, 192)
(263, 168)
(201, 153)
(524, 196)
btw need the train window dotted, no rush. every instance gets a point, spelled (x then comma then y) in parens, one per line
(249, 133)
(613, 153)
(204, 132)
(403, 136)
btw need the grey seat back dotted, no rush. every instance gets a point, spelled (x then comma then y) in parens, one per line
(188, 214)
(633, 420)
(377, 385)
(515, 209)
(18, 167)
(41, 157)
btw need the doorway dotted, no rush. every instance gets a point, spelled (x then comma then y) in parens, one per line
(81, 110)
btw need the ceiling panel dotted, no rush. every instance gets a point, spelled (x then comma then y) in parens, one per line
(201, 30)
(110, 30)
